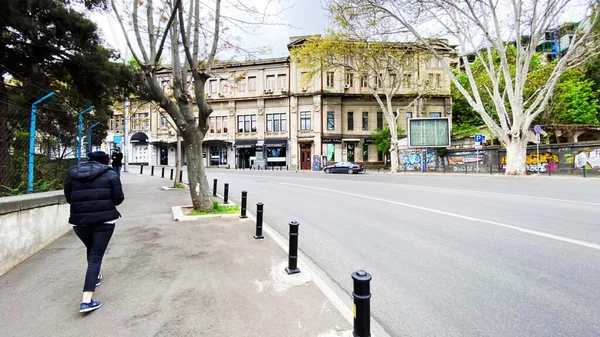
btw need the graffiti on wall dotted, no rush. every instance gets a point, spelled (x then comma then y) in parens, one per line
(590, 159)
(548, 161)
(412, 160)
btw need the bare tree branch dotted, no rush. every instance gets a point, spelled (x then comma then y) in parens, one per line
(213, 50)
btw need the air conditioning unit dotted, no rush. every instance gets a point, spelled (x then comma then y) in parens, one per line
(207, 96)
(303, 89)
(221, 94)
(346, 86)
(427, 81)
(283, 90)
(269, 91)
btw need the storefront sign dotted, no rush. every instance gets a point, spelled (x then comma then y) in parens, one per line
(369, 141)
(331, 141)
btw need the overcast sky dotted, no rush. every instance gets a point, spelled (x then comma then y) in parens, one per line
(305, 16)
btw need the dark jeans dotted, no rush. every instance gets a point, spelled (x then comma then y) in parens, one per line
(95, 239)
(117, 169)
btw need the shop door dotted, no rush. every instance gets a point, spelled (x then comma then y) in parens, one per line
(350, 149)
(305, 159)
(164, 156)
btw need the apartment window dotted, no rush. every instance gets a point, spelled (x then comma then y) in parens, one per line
(350, 120)
(407, 80)
(212, 124)
(213, 86)
(430, 79)
(349, 79)
(252, 83)
(408, 115)
(305, 120)
(141, 121)
(218, 124)
(379, 81)
(330, 120)
(365, 151)
(329, 78)
(247, 123)
(379, 156)
(164, 122)
(434, 62)
(364, 81)
(365, 121)
(379, 120)
(270, 82)
(242, 85)
(269, 123)
(392, 80)
(117, 123)
(276, 122)
(438, 80)
(282, 81)
(224, 86)
(435, 114)
(225, 124)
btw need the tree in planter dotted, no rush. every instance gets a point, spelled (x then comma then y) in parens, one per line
(195, 39)
(385, 67)
(482, 27)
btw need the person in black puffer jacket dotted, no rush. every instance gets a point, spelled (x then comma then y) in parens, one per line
(93, 190)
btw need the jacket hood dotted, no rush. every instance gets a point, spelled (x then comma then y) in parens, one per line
(87, 171)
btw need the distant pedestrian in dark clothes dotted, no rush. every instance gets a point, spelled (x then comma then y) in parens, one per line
(93, 190)
(117, 160)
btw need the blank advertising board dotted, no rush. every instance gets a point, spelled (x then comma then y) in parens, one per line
(429, 132)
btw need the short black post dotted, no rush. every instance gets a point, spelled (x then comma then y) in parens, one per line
(362, 304)
(292, 267)
(226, 194)
(584, 171)
(259, 220)
(405, 169)
(491, 168)
(244, 200)
(444, 168)
(549, 171)
(162, 175)
(141, 169)
(466, 168)
(152, 171)
(171, 174)
(287, 167)
(214, 187)
(181, 177)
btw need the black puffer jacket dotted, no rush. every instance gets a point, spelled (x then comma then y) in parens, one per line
(93, 190)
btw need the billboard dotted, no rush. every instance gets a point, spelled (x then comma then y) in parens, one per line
(429, 132)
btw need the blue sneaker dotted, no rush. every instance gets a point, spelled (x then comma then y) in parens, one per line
(87, 307)
(99, 280)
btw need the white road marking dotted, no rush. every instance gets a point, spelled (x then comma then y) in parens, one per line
(426, 209)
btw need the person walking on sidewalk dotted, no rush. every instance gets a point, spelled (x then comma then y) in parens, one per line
(93, 190)
(117, 160)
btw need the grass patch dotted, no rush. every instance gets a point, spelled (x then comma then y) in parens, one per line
(218, 209)
(179, 185)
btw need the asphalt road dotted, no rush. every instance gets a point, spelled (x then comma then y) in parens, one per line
(450, 255)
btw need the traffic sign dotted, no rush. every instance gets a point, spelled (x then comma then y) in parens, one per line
(479, 138)
(537, 129)
(478, 147)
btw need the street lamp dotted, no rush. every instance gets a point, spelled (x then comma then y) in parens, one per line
(79, 130)
(90, 136)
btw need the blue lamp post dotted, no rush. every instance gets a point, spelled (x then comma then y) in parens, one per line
(32, 140)
(90, 136)
(79, 131)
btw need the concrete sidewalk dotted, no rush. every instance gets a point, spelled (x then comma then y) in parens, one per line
(166, 278)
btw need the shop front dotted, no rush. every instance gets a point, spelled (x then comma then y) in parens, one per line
(330, 147)
(139, 149)
(276, 152)
(215, 153)
(245, 153)
(350, 149)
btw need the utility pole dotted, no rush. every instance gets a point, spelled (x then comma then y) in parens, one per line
(125, 149)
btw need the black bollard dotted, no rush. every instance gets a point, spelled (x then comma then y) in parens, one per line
(152, 171)
(292, 267)
(141, 169)
(491, 169)
(244, 200)
(549, 171)
(287, 167)
(584, 171)
(162, 174)
(362, 304)
(226, 194)
(259, 219)
(181, 177)
(466, 169)
(171, 174)
(444, 168)
(214, 187)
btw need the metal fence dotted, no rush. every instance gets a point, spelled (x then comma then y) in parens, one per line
(54, 143)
